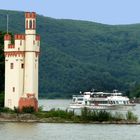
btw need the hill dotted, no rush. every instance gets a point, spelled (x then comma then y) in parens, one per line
(80, 55)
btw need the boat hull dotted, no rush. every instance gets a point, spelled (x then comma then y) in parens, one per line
(103, 107)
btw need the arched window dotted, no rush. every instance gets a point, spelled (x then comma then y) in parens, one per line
(26, 24)
(34, 25)
(30, 24)
(11, 65)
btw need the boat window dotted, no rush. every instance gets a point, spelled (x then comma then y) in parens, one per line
(80, 99)
(120, 102)
(79, 103)
(117, 102)
(74, 99)
(104, 102)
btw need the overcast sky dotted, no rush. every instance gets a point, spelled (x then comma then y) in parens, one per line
(102, 11)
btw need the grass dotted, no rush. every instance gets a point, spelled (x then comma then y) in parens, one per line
(131, 117)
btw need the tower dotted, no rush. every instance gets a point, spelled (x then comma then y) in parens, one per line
(21, 66)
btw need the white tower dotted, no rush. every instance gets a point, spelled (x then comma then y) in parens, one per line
(21, 66)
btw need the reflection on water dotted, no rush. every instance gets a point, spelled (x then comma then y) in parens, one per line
(50, 131)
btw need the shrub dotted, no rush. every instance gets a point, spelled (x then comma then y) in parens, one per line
(59, 113)
(85, 114)
(118, 116)
(6, 110)
(104, 116)
(40, 108)
(2, 99)
(131, 117)
(16, 110)
(28, 109)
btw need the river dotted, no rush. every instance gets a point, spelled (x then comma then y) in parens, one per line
(52, 131)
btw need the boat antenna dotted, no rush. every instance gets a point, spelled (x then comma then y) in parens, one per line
(7, 23)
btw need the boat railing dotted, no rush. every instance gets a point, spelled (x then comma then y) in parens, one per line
(77, 96)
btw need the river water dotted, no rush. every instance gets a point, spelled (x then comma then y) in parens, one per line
(52, 131)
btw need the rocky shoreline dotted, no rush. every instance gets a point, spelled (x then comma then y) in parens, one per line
(31, 118)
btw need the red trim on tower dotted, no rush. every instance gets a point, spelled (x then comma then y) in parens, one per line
(19, 37)
(7, 37)
(38, 37)
(30, 15)
(11, 46)
(18, 53)
(29, 101)
(14, 53)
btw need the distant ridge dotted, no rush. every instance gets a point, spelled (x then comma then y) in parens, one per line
(79, 55)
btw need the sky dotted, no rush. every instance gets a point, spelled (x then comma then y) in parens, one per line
(101, 11)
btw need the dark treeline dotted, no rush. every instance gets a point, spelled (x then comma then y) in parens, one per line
(80, 55)
(2, 70)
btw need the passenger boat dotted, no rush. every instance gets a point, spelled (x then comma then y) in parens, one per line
(101, 100)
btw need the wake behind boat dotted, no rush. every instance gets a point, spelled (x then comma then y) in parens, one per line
(101, 101)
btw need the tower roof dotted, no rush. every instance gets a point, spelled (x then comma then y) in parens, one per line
(30, 15)
(19, 37)
(38, 37)
(7, 37)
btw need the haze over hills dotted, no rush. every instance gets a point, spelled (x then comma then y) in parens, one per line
(80, 55)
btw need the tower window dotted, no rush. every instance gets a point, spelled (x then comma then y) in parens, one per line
(20, 42)
(11, 65)
(26, 24)
(13, 89)
(9, 102)
(22, 66)
(34, 26)
(30, 24)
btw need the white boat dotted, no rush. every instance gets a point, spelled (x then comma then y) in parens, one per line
(101, 101)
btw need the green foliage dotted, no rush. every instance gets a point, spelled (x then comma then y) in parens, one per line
(79, 55)
(28, 109)
(99, 115)
(2, 99)
(131, 117)
(16, 110)
(40, 108)
(55, 113)
(135, 92)
(119, 116)
(87, 115)
(6, 110)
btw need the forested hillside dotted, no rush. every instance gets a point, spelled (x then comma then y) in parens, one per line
(80, 55)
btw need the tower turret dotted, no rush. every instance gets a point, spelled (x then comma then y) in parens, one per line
(7, 41)
(30, 23)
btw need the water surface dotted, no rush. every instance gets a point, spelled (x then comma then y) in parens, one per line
(46, 131)
(55, 131)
